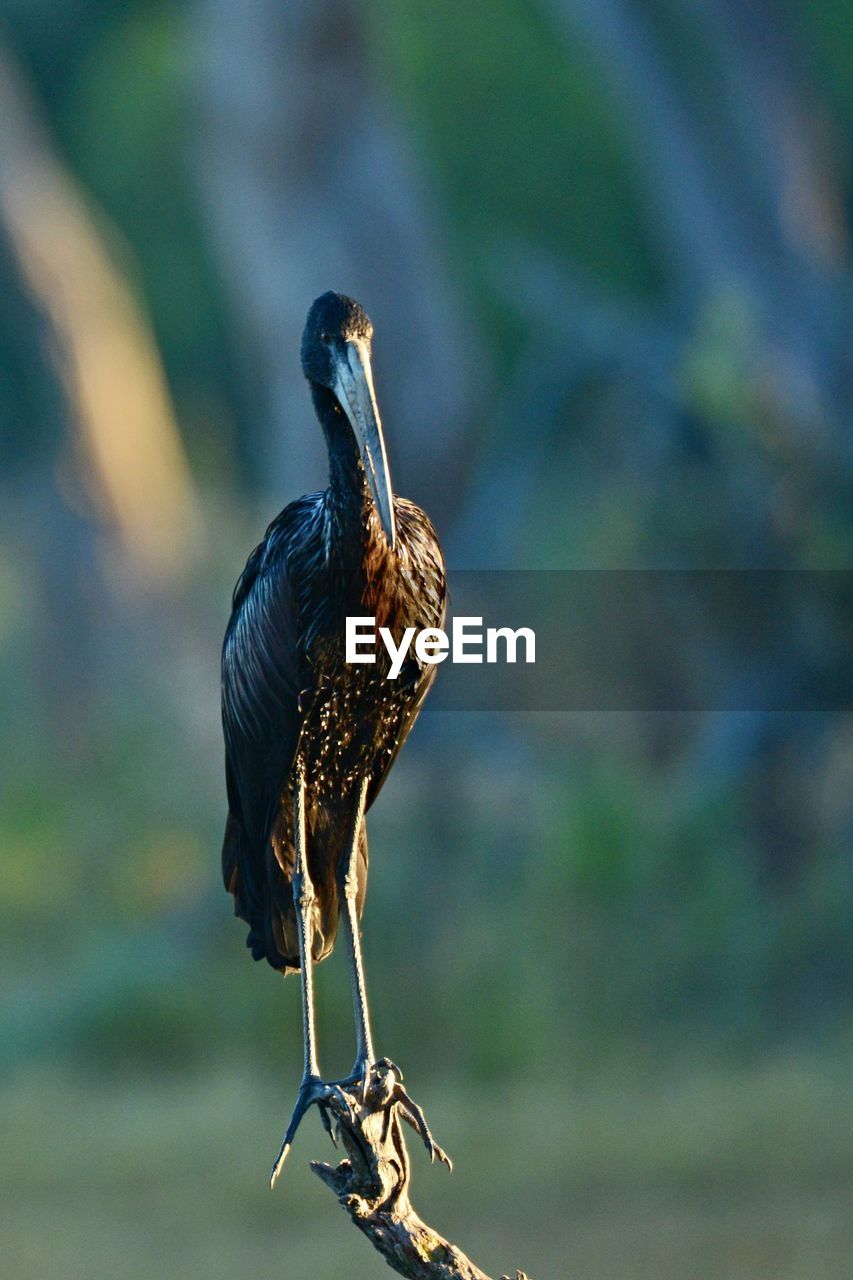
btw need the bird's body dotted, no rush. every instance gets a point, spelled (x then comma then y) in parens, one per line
(309, 737)
(286, 685)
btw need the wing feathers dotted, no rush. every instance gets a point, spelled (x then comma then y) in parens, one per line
(263, 671)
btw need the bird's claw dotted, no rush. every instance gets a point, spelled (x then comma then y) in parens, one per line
(375, 1087)
(386, 1089)
(327, 1122)
(360, 1080)
(312, 1090)
(415, 1118)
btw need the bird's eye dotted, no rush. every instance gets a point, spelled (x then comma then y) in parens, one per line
(326, 337)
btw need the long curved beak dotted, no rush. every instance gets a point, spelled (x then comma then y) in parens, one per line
(354, 389)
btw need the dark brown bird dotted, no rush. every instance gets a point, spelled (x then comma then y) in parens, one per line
(309, 738)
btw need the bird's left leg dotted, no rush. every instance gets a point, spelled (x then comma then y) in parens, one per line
(364, 1058)
(313, 1088)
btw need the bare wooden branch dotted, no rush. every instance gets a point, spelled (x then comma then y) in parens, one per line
(372, 1184)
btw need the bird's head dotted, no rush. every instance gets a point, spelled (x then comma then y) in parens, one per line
(336, 355)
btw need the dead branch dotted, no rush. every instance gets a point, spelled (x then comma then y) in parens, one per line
(372, 1184)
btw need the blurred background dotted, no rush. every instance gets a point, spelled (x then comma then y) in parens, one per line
(612, 951)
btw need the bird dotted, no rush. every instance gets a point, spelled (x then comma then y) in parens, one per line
(310, 738)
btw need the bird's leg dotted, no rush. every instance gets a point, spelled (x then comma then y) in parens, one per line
(381, 1082)
(364, 1058)
(312, 1089)
(304, 899)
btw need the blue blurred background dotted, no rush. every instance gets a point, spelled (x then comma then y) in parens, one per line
(605, 246)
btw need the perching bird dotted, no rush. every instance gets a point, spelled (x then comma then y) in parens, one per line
(309, 739)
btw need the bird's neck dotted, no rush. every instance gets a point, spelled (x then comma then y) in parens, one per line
(348, 492)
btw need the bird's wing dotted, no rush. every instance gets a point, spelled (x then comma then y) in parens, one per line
(263, 672)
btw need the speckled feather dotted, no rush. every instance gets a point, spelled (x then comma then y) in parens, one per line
(287, 692)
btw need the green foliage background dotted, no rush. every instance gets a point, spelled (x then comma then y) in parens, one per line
(635, 1026)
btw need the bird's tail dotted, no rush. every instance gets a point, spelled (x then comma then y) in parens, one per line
(243, 873)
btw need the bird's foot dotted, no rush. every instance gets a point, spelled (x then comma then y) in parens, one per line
(370, 1089)
(312, 1090)
(359, 1079)
(382, 1090)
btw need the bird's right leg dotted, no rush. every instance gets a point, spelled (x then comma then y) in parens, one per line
(364, 1056)
(312, 1089)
